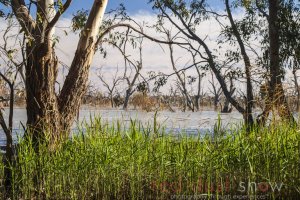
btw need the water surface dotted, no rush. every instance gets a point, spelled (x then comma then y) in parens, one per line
(174, 122)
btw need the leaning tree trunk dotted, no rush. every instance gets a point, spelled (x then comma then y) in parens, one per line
(76, 81)
(226, 108)
(126, 100)
(249, 121)
(131, 84)
(51, 114)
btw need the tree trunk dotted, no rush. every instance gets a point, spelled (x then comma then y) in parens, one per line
(49, 113)
(42, 106)
(130, 90)
(250, 97)
(276, 96)
(216, 102)
(197, 97)
(296, 89)
(226, 108)
(112, 100)
(197, 102)
(127, 97)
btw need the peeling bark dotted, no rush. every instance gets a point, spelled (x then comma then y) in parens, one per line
(50, 114)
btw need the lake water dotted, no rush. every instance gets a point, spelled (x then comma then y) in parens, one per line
(174, 122)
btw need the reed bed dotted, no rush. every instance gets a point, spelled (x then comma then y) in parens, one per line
(104, 161)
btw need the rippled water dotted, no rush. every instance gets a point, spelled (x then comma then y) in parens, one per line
(189, 122)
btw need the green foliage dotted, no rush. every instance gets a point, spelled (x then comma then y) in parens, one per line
(160, 79)
(114, 162)
(142, 87)
(59, 5)
(79, 19)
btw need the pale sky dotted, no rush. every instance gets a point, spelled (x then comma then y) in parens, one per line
(155, 57)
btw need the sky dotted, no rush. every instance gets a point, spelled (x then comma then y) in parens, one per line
(155, 57)
(132, 6)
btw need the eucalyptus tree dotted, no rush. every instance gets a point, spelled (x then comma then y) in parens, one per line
(186, 16)
(49, 112)
(279, 28)
(111, 86)
(274, 23)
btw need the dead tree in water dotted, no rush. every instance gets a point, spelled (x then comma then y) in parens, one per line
(137, 65)
(111, 87)
(199, 77)
(181, 77)
(132, 66)
(215, 91)
(232, 89)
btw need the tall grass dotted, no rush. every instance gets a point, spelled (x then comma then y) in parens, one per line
(113, 162)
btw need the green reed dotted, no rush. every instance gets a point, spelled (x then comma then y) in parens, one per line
(104, 161)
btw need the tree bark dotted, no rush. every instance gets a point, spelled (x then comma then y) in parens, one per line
(226, 108)
(198, 95)
(130, 90)
(41, 101)
(297, 89)
(51, 115)
(276, 96)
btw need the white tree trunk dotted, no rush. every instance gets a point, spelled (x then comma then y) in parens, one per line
(50, 13)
